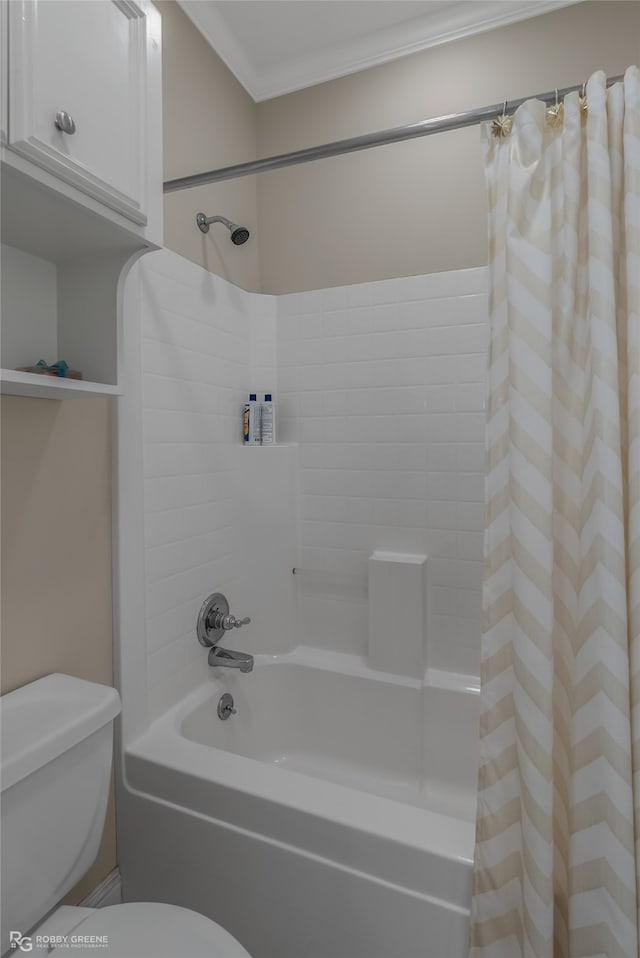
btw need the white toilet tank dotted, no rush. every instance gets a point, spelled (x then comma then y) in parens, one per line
(55, 765)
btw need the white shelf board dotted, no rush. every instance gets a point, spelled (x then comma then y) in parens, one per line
(15, 383)
(47, 223)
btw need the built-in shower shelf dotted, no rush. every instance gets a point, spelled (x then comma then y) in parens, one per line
(16, 383)
(63, 268)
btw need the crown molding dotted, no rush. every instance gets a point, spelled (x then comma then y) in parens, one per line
(454, 22)
(213, 27)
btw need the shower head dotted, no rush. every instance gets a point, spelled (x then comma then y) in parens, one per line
(239, 234)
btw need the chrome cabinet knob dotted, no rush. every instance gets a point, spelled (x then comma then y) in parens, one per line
(64, 122)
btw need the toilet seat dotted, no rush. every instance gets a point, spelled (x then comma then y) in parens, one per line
(153, 930)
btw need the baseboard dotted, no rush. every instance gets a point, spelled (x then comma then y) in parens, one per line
(108, 892)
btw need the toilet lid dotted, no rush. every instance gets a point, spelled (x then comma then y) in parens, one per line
(152, 930)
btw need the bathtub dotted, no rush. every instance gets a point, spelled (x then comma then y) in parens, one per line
(332, 815)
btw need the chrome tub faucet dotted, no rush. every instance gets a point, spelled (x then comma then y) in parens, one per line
(232, 660)
(214, 619)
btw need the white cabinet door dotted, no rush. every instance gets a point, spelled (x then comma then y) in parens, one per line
(86, 59)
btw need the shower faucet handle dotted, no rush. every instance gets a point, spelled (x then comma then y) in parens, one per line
(214, 619)
(227, 622)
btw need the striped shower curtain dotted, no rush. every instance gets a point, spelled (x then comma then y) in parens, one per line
(557, 853)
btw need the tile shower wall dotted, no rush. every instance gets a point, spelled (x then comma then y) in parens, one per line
(382, 385)
(205, 343)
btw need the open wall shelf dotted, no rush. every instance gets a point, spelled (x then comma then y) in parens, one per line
(62, 270)
(16, 383)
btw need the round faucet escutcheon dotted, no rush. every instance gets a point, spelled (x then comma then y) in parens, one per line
(214, 619)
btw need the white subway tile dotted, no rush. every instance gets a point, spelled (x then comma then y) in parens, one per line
(383, 386)
(442, 515)
(441, 398)
(470, 397)
(469, 545)
(468, 604)
(442, 637)
(469, 574)
(470, 456)
(470, 516)
(443, 572)
(471, 368)
(358, 295)
(334, 297)
(443, 600)
(470, 487)
(470, 427)
(441, 457)
(443, 486)
(311, 326)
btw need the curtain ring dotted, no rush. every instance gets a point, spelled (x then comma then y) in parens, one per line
(582, 101)
(555, 114)
(501, 126)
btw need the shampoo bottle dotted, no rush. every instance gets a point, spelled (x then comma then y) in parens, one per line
(267, 421)
(251, 421)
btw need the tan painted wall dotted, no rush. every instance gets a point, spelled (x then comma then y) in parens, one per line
(419, 206)
(56, 553)
(209, 121)
(409, 208)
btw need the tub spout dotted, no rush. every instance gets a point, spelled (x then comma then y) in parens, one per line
(232, 660)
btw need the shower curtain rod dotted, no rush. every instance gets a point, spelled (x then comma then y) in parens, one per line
(438, 124)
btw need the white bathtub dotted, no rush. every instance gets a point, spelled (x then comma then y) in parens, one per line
(331, 816)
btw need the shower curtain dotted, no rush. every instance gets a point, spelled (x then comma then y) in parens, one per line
(557, 853)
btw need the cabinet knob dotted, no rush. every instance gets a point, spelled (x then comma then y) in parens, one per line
(64, 122)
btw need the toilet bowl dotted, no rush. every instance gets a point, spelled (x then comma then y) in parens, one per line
(55, 765)
(135, 930)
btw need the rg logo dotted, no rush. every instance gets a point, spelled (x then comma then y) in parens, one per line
(20, 941)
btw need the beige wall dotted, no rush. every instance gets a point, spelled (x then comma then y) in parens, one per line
(209, 121)
(413, 207)
(56, 552)
(419, 206)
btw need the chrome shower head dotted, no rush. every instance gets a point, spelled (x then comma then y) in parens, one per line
(239, 234)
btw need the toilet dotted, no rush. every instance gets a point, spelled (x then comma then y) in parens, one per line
(55, 764)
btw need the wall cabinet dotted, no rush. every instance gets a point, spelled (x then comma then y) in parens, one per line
(77, 79)
(81, 184)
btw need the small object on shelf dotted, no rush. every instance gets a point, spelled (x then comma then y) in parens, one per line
(251, 421)
(60, 370)
(267, 421)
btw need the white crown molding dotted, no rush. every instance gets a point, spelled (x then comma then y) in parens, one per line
(454, 22)
(214, 29)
